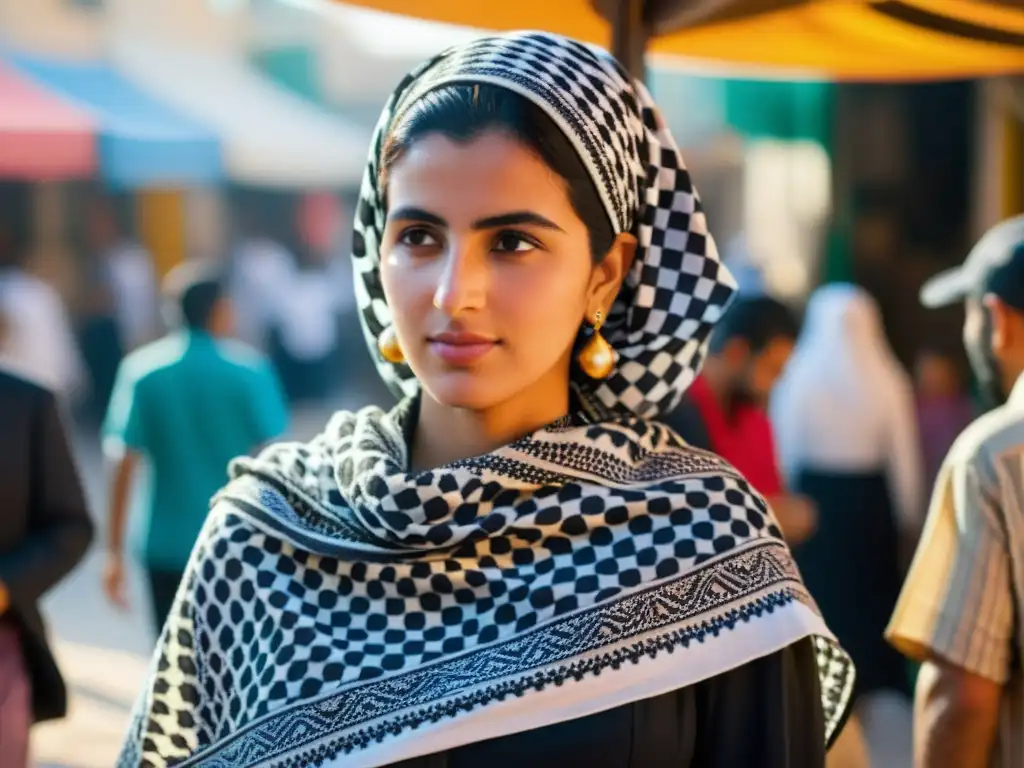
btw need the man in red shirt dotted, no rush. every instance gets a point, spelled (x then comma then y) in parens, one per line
(724, 409)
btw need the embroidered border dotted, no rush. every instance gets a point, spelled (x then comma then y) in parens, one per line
(421, 696)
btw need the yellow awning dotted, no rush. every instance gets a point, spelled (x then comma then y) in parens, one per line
(840, 39)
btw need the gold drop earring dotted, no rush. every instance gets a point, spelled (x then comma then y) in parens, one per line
(597, 358)
(389, 347)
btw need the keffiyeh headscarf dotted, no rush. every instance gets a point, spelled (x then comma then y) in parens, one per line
(341, 610)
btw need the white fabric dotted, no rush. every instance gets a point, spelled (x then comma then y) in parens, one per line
(133, 282)
(270, 137)
(261, 267)
(364, 54)
(648, 679)
(748, 272)
(308, 310)
(844, 403)
(39, 342)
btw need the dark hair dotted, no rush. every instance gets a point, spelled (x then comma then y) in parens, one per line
(464, 111)
(757, 320)
(192, 291)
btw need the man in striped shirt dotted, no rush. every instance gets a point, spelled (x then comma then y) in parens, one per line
(961, 612)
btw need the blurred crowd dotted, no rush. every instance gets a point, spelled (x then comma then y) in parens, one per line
(184, 374)
(289, 303)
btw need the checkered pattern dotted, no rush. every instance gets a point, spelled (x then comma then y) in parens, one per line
(334, 599)
(677, 288)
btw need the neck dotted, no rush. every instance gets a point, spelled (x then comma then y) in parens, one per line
(445, 434)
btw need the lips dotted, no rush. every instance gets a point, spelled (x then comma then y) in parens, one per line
(461, 349)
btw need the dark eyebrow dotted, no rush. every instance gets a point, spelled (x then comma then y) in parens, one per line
(516, 217)
(409, 213)
(417, 214)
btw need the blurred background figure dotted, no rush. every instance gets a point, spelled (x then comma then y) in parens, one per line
(305, 333)
(121, 312)
(261, 268)
(750, 278)
(45, 529)
(182, 408)
(39, 342)
(960, 610)
(843, 414)
(724, 409)
(944, 407)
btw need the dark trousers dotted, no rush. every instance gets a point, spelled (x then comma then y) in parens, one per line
(163, 586)
(102, 351)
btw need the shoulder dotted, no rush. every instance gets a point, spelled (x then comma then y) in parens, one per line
(655, 452)
(18, 390)
(989, 440)
(229, 546)
(28, 295)
(242, 357)
(150, 360)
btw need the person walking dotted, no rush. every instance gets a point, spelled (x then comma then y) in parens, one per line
(39, 341)
(961, 611)
(45, 529)
(184, 406)
(843, 414)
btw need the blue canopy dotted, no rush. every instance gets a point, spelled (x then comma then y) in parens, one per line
(142, 141)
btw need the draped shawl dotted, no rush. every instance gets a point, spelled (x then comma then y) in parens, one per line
(340, 610)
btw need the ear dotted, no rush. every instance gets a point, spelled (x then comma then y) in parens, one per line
(1002, 325)
(606, 278)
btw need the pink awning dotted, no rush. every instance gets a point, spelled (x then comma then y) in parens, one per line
(41, 136)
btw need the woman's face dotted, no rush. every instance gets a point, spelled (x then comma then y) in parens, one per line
(487, 270)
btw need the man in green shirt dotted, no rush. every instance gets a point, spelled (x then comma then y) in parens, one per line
(182, 408)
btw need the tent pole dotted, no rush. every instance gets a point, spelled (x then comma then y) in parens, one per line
(630, 33)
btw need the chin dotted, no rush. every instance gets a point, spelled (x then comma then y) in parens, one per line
(464, 390)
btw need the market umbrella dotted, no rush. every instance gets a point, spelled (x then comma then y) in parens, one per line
(866, 40)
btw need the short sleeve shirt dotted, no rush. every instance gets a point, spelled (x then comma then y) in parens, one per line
(963, 599)
(189, 405)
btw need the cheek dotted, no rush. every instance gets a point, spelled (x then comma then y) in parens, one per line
(539, 306)
(404, 291)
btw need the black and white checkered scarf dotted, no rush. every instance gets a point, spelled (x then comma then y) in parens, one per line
(339, 610)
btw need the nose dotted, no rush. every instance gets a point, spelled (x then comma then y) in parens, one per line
(463, 283)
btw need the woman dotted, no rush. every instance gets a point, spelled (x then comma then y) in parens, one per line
(845, 427)
(512, 548)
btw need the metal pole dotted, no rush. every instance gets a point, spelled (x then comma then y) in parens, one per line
(630, 32)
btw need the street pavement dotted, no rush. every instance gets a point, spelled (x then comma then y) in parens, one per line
(104, 653)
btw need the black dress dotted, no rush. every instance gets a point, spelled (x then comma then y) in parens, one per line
(851, 567)
(765, 714)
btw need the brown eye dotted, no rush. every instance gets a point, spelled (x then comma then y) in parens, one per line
(513, 242)
(417, 237)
